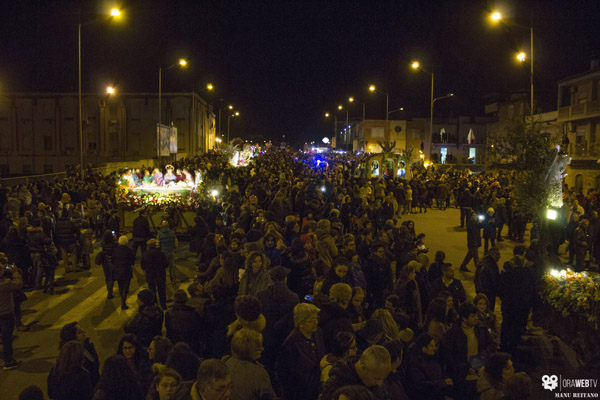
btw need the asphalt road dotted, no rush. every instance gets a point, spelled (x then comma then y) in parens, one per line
(81, 297)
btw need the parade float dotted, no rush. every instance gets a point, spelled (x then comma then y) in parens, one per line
(178, 192)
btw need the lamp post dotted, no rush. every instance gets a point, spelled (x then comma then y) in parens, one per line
(113, 14)
(372, 88)
(182, 63)
(352, 100)
(497, 17)
(235, 114)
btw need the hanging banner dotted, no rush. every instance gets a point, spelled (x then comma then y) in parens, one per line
(167, 140)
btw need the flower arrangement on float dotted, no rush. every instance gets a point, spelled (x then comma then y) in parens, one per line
(573, 293)
(184, 198)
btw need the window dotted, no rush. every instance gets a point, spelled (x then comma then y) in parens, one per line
(48, 168)
(47, 143)
(91, 145)
(472, 152)
(377, 132)
(443, 154)
(27, 169)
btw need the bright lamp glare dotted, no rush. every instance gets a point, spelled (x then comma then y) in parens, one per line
(115, 12)
(214, 193)
(551, 214)
(372, 88)
(554, 273)
(326, 115)
(110, 90)
(182, 62)
(415, 65)
(521, 56)
(210, 86)
(350, 99)
(323, 188)
(496, 16)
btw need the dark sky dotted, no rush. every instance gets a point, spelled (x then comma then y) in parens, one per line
(283, 63)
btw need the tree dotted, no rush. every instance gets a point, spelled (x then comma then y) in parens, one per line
(538, 166)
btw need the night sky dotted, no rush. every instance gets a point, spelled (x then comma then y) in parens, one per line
(283, 63)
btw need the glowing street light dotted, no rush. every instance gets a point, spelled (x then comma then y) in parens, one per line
(496, 17)
(112, 15)
(326, 115)
(415, 65)
(110, 90)
(373, 89)
(209, 86)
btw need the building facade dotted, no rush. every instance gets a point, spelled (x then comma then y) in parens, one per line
(39, 132)
(579, 111)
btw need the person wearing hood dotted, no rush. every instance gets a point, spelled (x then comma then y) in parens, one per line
(278, 303)
(148, 321)
(325, 242)
(168, 243)
(256, 276)
(516, 283)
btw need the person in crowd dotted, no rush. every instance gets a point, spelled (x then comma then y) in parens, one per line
(369, 370)
(338, 273)
(449, 284)
(104, 258)
(68, 379)
(31, 393)
(355, 308)
(425, 373)
(517, 298)
(141, 232)
(148, 322)
(297, 260)
(378, 273)
(183, 360)
(164, 385)
(182, 323)
(37, 242)
(10, 280)
(86, 249)
(489, 229)
(256, 276)
(334, 316)
(278, 303)
(517, 387)
(67, 233)
(436, 321)
(325, 245)
(301, 353)
(498, 368)
(167, 242)
(487, 276)
(473, 240)
(435, 270)
(137, 360)
(393, 384)
(155, 263)
(159, 349)
(343, 345)
(213, 382)
(122, 262)
(407, 290)
(485, 317)
(249, 378)
(464, 350)
(91, 363)
(117, 381)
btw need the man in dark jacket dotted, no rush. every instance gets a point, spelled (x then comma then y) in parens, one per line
(278, 303)
(378, 274)
(183, 323)
(487, 276)
(155, 263)
(473, 240)
(301, 353)
(148, 321)
(464, 349)
(334, 316)
(370, 371)
(66, 239)
(123, 260)
(448, 283)
(465, 200)
(516, 293)
(141, 232)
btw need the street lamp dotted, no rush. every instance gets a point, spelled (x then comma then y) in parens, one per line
(373, 88)
(182, 63)
(496, 17)
(231, 115)
(110, 90)
(113, 14)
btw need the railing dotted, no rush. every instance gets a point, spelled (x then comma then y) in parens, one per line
(579, 110)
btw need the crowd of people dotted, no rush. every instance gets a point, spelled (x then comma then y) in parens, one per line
(312, 282)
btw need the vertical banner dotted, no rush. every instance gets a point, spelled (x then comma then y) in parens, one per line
(167, 140)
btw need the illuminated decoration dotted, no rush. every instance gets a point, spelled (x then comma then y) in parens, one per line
(326, 140)
(214, 193)
(573, 293)
(551, 214)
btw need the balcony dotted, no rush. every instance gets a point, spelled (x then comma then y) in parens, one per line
(585, 150)
(580, 111)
